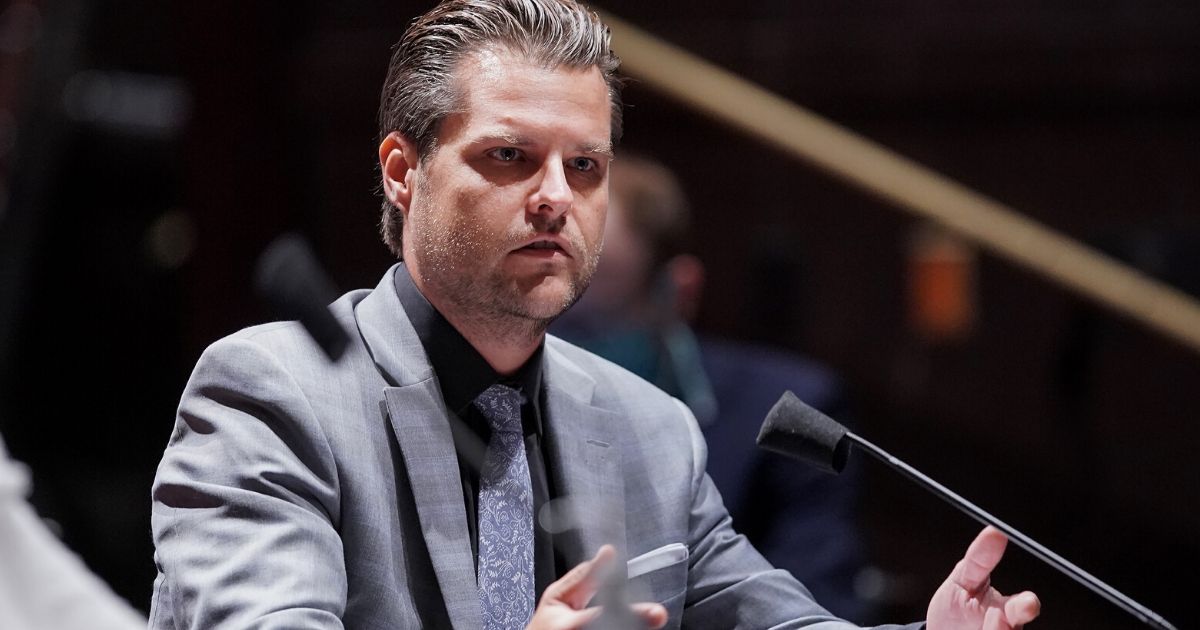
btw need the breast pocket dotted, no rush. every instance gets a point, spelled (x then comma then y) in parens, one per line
(660, 576)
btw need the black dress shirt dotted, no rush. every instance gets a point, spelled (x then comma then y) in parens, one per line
(463, 375)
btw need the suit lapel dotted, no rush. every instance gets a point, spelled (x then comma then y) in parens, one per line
(420, 421)
(585, 460)
(418, 417)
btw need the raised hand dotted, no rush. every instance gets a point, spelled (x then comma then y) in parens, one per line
(564, 604)
(966, 600)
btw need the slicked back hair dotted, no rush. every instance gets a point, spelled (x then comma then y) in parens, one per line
(420, 89)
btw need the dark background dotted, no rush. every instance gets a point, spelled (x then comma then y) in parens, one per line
(150, 150)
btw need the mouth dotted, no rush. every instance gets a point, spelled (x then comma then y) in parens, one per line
(543, 247)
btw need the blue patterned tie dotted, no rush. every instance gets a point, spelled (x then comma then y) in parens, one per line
(505, 515)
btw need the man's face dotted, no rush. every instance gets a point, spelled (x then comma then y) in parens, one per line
(507, 215)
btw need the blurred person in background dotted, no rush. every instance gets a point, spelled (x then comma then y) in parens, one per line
(636, 313)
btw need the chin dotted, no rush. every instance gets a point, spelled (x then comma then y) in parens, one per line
(547, 307)
(549, 299)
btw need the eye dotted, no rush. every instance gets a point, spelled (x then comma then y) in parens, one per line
(582, 164)
(505, 154)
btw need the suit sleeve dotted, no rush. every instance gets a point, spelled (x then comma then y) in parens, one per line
(245, 502)
(730, 585)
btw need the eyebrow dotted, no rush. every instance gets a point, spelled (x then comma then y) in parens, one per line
(506, 138)
(602, 148)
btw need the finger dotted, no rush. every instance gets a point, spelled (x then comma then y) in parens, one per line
(651, 614)
(1022, 608)
(973, 572)
(597, 570)
(577, 586)
(993, 619)
(557, 616)
(581, 618)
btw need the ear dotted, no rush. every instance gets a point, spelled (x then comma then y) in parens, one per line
(398, 165)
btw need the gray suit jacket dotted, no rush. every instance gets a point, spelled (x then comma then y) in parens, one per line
(298, 493)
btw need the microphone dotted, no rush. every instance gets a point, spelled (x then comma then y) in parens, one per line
(294, 285)
(796, 430)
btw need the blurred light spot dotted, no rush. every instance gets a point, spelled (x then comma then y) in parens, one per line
(882, 588)
(870, 584)
(54, 527)
(20, 25)
(942, 303)
(171, 240)
(144, 105)
(558, 515)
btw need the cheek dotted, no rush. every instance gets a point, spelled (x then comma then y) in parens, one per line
(591, 224)
(485, 208)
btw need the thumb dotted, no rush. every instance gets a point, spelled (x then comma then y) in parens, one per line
(1022, 608)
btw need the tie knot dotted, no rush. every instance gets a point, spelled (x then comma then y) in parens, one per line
(501, 406)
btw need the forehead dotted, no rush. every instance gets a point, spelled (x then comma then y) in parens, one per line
(500, 89)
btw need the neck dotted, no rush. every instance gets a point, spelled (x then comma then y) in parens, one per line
(505, 345)
(505, 341)
(504, 337)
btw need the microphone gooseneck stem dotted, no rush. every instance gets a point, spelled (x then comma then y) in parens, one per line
(1147, 616)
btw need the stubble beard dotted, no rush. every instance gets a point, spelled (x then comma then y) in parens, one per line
(462, 263)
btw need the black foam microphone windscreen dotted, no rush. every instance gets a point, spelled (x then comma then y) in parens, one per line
(294, 286)
(794, 429)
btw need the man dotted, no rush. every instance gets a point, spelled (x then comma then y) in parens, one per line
(636, 312)
(298, 493)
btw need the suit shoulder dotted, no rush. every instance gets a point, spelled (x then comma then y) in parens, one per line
(285, 338)
(615, 385)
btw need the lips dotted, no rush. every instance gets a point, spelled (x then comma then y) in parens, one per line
(544, 246)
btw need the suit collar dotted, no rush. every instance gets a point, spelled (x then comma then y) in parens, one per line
(390, 338)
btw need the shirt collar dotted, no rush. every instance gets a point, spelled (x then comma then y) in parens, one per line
(462, 372)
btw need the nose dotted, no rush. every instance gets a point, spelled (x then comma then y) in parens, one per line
(553, 196)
